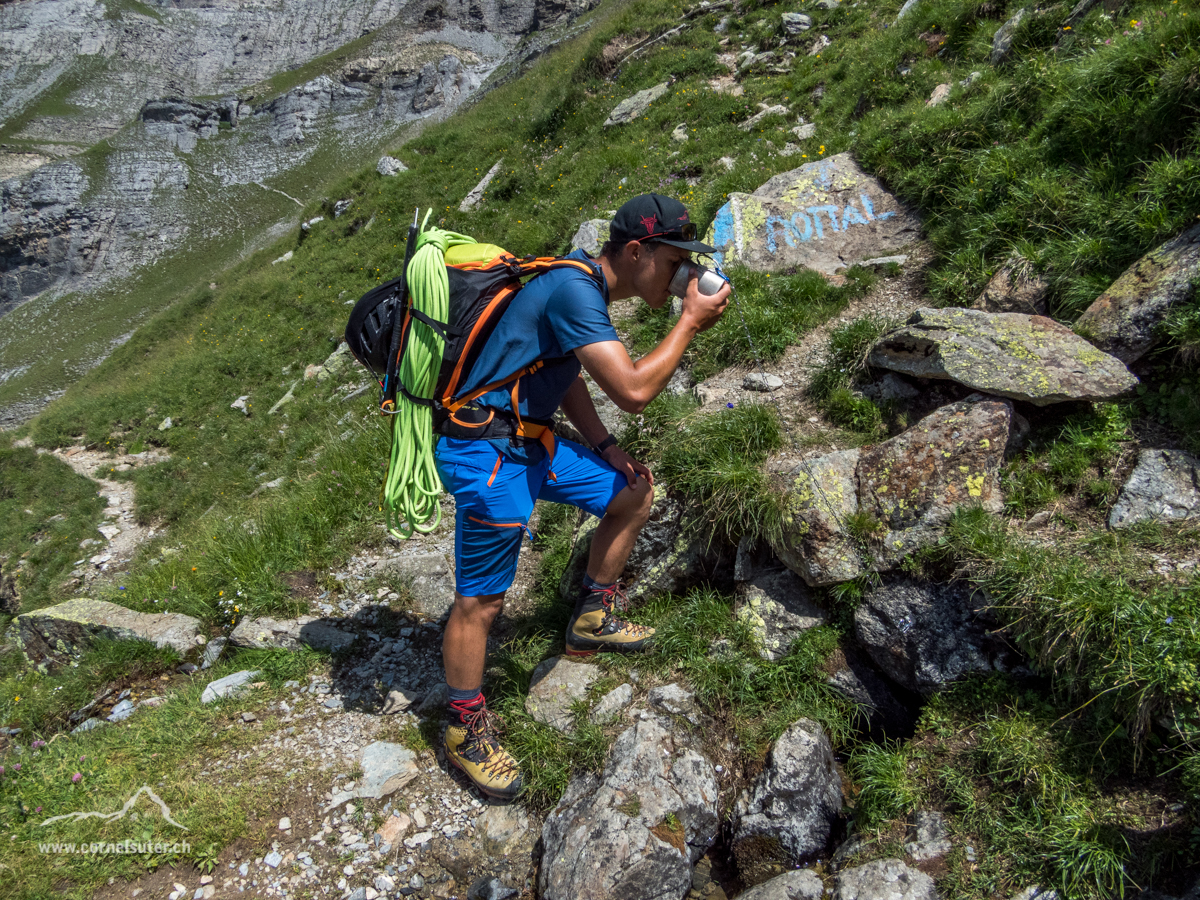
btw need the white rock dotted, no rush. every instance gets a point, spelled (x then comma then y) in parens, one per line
(389, 165)
(761, 381)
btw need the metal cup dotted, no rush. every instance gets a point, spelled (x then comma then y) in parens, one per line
(710, 281)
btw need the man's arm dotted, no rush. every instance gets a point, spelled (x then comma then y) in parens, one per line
(632, 385)
(581, 411)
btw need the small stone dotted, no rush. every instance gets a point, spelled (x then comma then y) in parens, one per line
(385, 883)
(762, 382)
(285, 824)
(418, 840)
(389, 165)
(680, 133)
(249, 717)
(165, 424)
(273, 859)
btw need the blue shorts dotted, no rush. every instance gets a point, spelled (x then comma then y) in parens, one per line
(495, 497)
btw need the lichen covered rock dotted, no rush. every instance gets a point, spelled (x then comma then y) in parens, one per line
(826, 215)
(1013, 355)
(862, 510)
(1124, 319)
(634, 832)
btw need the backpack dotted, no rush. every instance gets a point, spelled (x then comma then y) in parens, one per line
(481, 281)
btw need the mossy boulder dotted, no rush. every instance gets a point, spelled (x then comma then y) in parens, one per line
(1012, 355)
(57, 633)
(1125, 319)
(866, 509)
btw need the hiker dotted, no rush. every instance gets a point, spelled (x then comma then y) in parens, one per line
(561, 316)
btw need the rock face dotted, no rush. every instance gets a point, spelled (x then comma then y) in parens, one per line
(865, 509)
(928, 837)
(635, 832)
(1011, 355)
(825, 215)
(924, 636)
(1124, 319)
(789, 815)
(633, 107)
(171, 168)
(556, 684)
(57, 632)
(1014, 288)
(671, 554)
(1164, 486)
(884, 879)
(778, 607)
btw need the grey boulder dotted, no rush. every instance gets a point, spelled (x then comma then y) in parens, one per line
(634, 832)
(556, 685)
(924, 636)
(1125, 319)
(908, 486)
(288, 634)
(633, 107)
(928, 837)
(826, 215)
(778, 607)
(884, 879)
(229, 686)
(797, 885)
(430, 580)
(591, 236)
(789, 814)
(54, 633)
(796, 23)
(1012, 355)
(1164, 486)
(1014, 288)
(1002, 41)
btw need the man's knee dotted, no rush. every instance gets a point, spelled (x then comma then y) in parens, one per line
(633, 503)
(483, 608)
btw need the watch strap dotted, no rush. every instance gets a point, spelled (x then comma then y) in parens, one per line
(609, 441)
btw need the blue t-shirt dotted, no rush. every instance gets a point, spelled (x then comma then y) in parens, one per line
(551, 316)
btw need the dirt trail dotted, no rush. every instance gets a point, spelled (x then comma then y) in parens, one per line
(122, 535)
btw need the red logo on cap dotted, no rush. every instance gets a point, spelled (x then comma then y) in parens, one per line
(684, 217)
(648, 223)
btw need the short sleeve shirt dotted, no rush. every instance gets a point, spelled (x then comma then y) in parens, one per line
(550, 317)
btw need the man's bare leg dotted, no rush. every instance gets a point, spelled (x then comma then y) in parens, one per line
(472, 744)
(464, 643)
(618, 530)
(595, 625)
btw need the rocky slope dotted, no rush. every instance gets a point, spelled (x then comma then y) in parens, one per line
(133, 134)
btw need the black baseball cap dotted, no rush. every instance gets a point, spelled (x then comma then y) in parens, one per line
(653, 217)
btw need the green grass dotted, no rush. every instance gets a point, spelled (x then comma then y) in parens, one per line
(46, 510)
(1034, 787)
(166, 748)
(845, 364)
(1094, 616)
(715, 460)
(1075, 456)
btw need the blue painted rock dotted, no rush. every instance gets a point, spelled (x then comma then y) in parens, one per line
(826, 215)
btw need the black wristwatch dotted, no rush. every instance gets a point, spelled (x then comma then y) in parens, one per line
(609, 441)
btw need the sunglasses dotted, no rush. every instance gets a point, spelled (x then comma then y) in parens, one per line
(686, 233)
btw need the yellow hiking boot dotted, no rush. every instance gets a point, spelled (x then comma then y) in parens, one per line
(472, 746)
(595, 626)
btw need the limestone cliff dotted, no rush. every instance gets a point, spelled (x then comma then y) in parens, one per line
(130, 130)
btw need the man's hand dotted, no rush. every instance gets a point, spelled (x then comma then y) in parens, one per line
(626, 465)
(703, 309)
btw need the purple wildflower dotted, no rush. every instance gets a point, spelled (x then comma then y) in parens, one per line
(76, 777)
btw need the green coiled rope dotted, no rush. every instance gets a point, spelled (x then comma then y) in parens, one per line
(412, 488)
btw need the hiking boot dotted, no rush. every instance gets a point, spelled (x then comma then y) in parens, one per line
(595, 626)
(472, 746)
